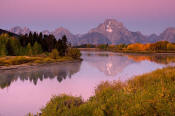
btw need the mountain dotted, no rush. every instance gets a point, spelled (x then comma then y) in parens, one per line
(93, 38)
(117, 33)
(7, 32)
(167, 35)
(110, 31)
(46, 32)
(20, 31)
(60, 32)
(152, 38)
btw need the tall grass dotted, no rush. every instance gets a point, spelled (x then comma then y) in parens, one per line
(18, 60)
(150, 94)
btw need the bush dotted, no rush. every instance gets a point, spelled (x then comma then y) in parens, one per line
(60, 105)
(74, 53)
(151, 94)
(170, 46)
(54, 54)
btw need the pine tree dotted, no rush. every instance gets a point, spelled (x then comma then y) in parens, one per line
(29, 50)
(3, 51)
(9, 48)
(37, 48)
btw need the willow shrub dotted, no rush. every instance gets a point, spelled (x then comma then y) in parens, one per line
(74, 53)
(151, 94)
(54, 54)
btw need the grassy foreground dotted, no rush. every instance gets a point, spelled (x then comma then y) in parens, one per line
(29, 60)
(150, 94)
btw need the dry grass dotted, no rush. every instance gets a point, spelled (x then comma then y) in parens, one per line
(17, 60)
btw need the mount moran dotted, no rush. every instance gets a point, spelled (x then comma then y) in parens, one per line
(111, 32)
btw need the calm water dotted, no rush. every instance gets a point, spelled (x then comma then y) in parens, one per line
(28, 90)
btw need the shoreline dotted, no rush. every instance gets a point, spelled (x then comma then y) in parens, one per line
(155, 90)
(34, 65)
(132, 52)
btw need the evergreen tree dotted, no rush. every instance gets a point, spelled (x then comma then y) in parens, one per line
(9, 48)
(37, 48)
(29, 50)
(22, 51)
(3, 51)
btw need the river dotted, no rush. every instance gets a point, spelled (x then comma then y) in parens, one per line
(28, 90)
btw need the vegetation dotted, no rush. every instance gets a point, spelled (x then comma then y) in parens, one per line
(17, 60)
(32, 44)
(151, 94)
(54, 54)
(40, 48)
(74, 53)
(86, 46)
(160, 46)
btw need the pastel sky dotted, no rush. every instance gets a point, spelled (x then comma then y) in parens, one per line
(79, 16)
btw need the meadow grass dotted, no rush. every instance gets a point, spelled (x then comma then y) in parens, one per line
(151, 94)
(18, 60)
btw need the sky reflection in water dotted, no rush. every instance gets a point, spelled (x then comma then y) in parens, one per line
(28, 90)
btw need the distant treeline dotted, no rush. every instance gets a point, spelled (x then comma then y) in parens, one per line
(152, 47)
(86, 46)
(31, 44)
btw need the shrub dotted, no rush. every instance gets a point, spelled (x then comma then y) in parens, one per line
(151, 94)
(60, 105)
(47, 60)
(170, 46)
(136, 47)
(74, 53)
(54, 54)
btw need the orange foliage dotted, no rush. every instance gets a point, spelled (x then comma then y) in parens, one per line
(139, 58)
(136, 46)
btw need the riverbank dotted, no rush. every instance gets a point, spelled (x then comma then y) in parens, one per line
(148, 94)
(18, 62)
(127, 51)
(142, 52)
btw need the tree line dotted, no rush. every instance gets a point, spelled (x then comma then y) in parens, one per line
(158, 46)
(32, 44)
(152, 47)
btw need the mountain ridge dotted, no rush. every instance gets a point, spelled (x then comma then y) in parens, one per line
(111, 31)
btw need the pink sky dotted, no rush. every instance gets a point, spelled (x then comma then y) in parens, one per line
(147, 16)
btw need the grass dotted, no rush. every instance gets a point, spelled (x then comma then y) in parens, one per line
(151, 94)
(18, 60)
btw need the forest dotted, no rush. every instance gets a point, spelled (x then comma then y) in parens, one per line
(34, 47)
(31, 44)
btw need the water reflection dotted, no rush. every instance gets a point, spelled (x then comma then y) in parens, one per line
(60, 72)
(108, 63)
(111, 64)
(157, 58)
(27, 90)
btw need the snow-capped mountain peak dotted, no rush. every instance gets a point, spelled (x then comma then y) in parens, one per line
(109, 28)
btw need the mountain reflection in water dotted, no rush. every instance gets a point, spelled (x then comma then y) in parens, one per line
(60, 72)
(28, 90)
(111, 64)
